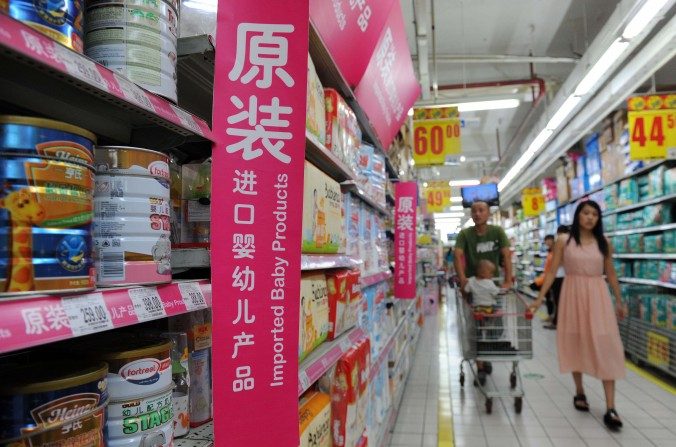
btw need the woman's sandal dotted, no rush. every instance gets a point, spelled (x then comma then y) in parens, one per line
(580, 402)
(612, 420)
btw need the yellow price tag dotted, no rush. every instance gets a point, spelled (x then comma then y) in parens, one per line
(436, 134)
(533, 202)
(658, 349)
(437, 196)
(652, 127)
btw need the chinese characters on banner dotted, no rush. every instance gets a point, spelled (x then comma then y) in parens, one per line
(437, 196)
(389, 87)
(350, 30)
(652, 127)
(259, 127)
(436, 135)
(406, 202)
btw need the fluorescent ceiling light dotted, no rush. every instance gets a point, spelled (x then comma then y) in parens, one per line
(488, 105)
(444, 215)
(563, 112)
(410, 111)
(644, 15)
(601, 66)
(412, 162)
(470, 182)
(462, 159)
(537, 143)
(425, 185)
(202, 5)
(456, 199)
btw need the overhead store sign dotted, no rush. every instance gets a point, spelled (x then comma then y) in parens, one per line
(389, 87)
(437, 196)
(259, 128)
(436, 135)
(405, 249)
(652, 127)
(533, 202)
(350, 30)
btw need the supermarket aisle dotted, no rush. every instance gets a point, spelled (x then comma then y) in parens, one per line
(416, 424)
(548, 417)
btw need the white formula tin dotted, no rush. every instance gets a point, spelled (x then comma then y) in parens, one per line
(137, 38)
(142, 421)
(131, 161)
(131, 230)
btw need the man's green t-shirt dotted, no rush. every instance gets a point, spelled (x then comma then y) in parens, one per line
(486, 246)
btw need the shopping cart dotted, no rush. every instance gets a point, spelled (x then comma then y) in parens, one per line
(503, 335)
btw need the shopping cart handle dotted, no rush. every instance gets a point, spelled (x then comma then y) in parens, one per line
(529, 315)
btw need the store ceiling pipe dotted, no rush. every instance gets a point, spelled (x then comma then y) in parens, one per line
(633, 73)
(420, 16)
(613, 28)
(501, 59)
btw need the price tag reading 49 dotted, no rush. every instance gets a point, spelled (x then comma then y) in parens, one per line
(436, 134)
(652, 126)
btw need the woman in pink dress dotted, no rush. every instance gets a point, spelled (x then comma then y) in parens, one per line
(588, 338)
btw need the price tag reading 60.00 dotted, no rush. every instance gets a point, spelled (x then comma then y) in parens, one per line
(433, 140)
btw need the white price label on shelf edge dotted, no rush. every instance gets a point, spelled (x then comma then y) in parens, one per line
(187, 120)
(192, 296)
(133, 93)
(147, 303)
(87, 314)
(345, 344)
(81, 67)
(304, 380)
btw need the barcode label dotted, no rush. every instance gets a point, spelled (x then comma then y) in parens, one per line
(192, 296)
(111, 266)
(304, 380)
(87, 313)
(187, 120)
(133, 93)
(147, 303)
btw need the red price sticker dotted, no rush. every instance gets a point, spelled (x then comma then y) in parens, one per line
(435, 139)
(652, 126)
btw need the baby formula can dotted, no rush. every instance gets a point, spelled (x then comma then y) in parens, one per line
(121, 160)
(54, 404)
(46, 138)
(143, 368)
(136, 38)
(46, 210)
(145, 421)
(61, 20)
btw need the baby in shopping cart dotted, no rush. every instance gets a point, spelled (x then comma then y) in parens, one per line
(481, 288)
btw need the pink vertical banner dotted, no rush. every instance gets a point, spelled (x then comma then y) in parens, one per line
(350, 30)
(406, 201)
(260, 88)
(389, 87)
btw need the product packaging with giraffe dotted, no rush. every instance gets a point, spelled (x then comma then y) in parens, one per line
(314, 313)
(46, 211)
(323, 230)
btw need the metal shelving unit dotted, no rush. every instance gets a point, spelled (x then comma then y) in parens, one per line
(666, 227)
(654, 201)
(658, 256)
(648, 282)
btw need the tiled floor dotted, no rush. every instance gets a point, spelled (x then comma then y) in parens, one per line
(548, 417)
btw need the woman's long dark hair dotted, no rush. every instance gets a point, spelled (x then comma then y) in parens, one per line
(597, 230)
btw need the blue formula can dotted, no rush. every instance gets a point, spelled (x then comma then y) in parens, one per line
(59, 19)
(46, 138)
(54, 404)
(46, 210)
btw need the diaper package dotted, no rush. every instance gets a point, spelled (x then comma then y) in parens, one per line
(314, 416)
(314, 313)
(342, 314)
(352, 206)
(610, 196)
(669, 241)
(628, 194)
(670, 181)
(343, 134)
(653, 243)
(315, 116)
(658, 214)
(322, 213)
(635, 243)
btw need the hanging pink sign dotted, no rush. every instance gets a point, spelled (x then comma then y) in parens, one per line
(350, 30)
(259, 127)
(389, 87)
(406, 201)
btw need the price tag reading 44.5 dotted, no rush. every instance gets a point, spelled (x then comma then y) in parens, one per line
(87, 314)
(652, 126)
(192, 296)
(147, 303)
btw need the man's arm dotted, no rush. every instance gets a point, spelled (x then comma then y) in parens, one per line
(459, 259)
(506, 252)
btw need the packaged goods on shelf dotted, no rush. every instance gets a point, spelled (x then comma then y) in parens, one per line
(610, 196)
(347, 383)
(653, 243)
(37, 402)
(343, 134)
(180, 372)
(54, 219)
(344, 297)
(137, 39)
(623, 268)
(371, 173)
(620, 244)
(367, 250)
(635, 243)
(315, 114)
(670, 181)
(352, 211)
(658, 214)
(60, 21)
(628, 192)
(314, 313)
(196, 203)
(593, 162)
(322, 213)
(562, 186)
(314, 416)
(669, 241)
(132, 216)
(375, 318)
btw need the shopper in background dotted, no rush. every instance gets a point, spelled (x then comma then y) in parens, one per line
(540, 279)
(588, 337)
(482, 241)
(561, 233)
